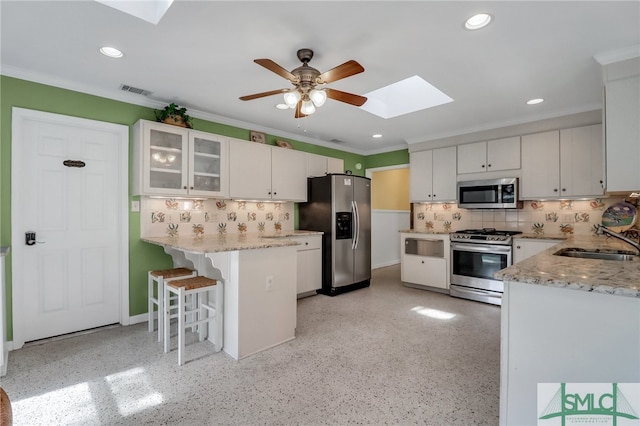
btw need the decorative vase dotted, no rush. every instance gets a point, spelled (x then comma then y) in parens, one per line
(175, 120)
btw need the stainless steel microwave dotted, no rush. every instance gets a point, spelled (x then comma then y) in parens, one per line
(488, 194)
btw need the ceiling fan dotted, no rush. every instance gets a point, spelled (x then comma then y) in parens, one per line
(308, 92)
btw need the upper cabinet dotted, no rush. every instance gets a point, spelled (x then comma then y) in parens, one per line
(264, 172)
(171, 160)
(319, 165)
(494, 155)
(565, 163)
(622, 115)
(582, 161)
(433, 175)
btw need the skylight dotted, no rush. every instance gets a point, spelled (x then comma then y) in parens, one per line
(404, 97)
(151, 11)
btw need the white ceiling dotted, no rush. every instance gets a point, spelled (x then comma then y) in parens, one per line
(201, 53)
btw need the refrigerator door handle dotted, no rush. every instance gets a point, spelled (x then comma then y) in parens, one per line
(356, 232)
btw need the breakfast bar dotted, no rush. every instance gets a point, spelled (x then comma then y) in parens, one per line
(259, 276)
(567, 320)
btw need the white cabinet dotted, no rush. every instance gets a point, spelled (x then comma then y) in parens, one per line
(581, 161)
(423, 270)
(428, 271)
(171, 160)
(622, 115)
(433, 175)
(541, 165)
(309, 264)
(335, 165)
(566, 163)
(263, 172)
(494, 155)
(524, 248)
(319, 165)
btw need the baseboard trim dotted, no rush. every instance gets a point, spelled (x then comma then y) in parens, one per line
(385, 264)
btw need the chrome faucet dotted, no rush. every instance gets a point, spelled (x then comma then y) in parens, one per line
(604, 230)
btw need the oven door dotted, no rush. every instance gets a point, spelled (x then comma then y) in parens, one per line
(473, 265)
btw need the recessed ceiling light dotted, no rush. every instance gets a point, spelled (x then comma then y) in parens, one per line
(282, 106)
(478, 21)
(376, 136)
(111, 52)
(535, 101)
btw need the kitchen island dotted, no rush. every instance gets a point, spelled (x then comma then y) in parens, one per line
(259, 275)
(567, 320)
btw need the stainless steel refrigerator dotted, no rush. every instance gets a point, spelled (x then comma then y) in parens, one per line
(340, 206)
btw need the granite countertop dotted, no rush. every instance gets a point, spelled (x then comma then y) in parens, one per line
(559, 237)
(4, 251)
(620, 278)
(424, 231)
(289, 234)
(221, 243)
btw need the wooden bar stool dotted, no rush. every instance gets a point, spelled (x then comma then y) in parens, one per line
(200, 314)
(158, 279)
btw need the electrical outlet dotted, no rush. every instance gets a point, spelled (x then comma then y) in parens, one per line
(269, 283)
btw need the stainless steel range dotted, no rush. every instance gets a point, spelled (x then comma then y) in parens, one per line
(476, 254)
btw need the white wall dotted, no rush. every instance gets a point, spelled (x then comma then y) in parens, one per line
(385, 236)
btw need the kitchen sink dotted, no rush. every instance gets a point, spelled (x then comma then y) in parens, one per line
(597, 254)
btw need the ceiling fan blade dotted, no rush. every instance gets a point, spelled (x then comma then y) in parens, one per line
(262, 95)
(345, 70)
(272, 66)
(299, 113)
(345, 97)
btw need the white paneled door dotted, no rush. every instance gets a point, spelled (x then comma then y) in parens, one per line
(67, 188)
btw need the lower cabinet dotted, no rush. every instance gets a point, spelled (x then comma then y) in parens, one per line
(309, 265)
(424, 270)
(525, 248)
(430, 271)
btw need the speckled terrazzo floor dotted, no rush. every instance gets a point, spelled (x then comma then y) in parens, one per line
(372, 356)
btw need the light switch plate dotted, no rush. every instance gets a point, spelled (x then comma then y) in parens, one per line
(135, 206)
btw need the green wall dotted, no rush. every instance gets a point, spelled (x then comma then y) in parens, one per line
(142, 257)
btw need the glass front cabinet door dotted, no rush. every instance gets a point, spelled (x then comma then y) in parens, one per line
(207, 164)
(174, 161)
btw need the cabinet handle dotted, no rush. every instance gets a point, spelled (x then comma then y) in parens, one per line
(518, 247)
(488, 165)
(434, 195)
(269, 193)
(422, 261)
(275, 193)
(555, 189)
(184, 187)
(483, 166)
(191, 187)
(306, 244)
(564, 189)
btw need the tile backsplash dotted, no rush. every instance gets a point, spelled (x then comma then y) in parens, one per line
(540, 217)
(162, 217)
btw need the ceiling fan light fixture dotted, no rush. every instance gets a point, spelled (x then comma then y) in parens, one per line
(307, 107)
(292, 98)
(318, 97)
